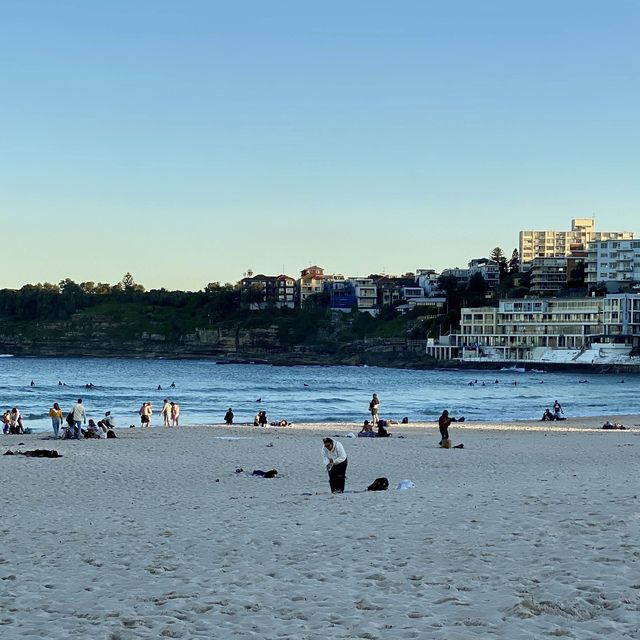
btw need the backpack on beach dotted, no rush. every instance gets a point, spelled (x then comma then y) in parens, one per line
(379, 484)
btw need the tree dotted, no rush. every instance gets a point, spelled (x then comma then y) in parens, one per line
(129, 284)
(577, 276)
(127, 281)
(477, 285)
(514, 262)
(497, 255)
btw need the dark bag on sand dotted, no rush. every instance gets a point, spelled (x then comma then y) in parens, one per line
(379, 484)
(69, 418)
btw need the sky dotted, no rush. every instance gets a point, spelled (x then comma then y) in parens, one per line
(189, 141)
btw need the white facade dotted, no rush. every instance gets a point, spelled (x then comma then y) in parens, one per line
(366, 294)
(516, 328)
(613, 261)
(556, 244)
(428, 280)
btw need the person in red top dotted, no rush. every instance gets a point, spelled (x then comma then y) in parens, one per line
(443, 424)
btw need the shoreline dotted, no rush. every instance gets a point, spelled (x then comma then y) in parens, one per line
(573, 424)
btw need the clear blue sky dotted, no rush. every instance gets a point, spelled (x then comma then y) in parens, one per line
(189, 141)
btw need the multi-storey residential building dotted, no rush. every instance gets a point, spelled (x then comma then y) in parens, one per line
(261, 291)
(461, 275)
(548, 275)
(392, 289)
(366, 294)
(428, 280)
(517, 327)
(489, 269)
(310, 282)
(285, 292)
(613, 261)
(557, 244)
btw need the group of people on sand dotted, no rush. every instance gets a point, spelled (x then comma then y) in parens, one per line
(12, 421)
(69, 427)
(558, 413)
(261, 420)
(170, 413)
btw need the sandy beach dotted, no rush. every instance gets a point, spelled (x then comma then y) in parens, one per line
(531, 531)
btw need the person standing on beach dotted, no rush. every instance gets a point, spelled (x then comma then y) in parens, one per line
(443, 424)
(79, 417)
(557, 410)
(228, 417)
(55, 413)
(166, 413)
(145, 414)
(373, 408)
(175, 414)
(335, 461)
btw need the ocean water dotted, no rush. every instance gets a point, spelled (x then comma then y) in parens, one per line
(205, 390)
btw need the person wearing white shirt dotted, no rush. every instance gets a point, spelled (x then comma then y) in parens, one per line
(335, 461)
(79, 417)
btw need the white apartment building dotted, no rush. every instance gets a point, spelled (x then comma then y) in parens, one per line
(489, 269)
(428, 280)
(613, 261)
(366, 294)
(556, 244)
(548, 275)
(516, 327)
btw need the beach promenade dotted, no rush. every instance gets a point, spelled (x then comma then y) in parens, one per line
(531, 531)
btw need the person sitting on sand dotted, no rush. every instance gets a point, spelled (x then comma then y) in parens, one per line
(366, 431)
(67, 432)
(228, 417)
(443, 424)
(94, 430)
(6, 421)
(382, 431)
(547, 415)
(256, 419)
(15, 421)
(613, 425)
(263, 421)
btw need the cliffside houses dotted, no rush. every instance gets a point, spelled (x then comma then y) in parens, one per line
(342, 293)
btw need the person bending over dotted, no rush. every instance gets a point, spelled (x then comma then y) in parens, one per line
(335, 461)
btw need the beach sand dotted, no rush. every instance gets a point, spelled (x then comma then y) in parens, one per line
(531, 531)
